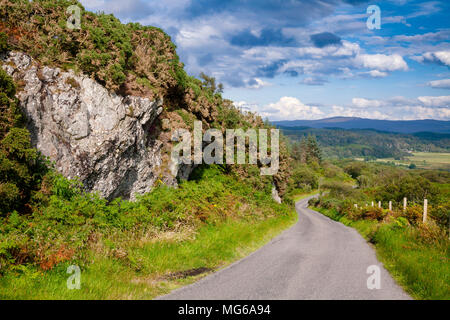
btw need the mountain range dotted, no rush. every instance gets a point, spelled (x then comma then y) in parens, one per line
(399, 126)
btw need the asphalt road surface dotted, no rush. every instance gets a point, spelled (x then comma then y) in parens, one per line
(317, 258)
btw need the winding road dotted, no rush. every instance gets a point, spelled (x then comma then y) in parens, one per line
(317, 258)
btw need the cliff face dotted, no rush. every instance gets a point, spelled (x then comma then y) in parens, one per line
(104, 139)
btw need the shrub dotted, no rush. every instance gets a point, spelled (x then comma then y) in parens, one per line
(3, 42)
(374, 213)
(21, 166)
(355, 169)
(305, 178)
(401, 222)
(431, 233)
(414, 214)
(355, 213)
(441, 214)
(338, 189)
(413, 187)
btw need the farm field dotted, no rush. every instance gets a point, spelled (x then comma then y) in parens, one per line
(423, 160)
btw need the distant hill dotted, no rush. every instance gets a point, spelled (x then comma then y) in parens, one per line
(351, 143)
(411, 126)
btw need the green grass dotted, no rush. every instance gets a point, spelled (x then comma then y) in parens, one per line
(423, 270)
(301, 196)
(142, 275)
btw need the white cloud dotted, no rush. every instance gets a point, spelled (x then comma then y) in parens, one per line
(418, 113)
(257, 83)
(439, 57)
(441, 35)
(426, 101)
(340, 111)
(442, 84)
(395, 108)
(376, 74)
(288, 108)
(382, 62)
(366, 103)
(442, 101)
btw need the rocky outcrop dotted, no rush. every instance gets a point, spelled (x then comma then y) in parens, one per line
(275, 195)
(104, 139)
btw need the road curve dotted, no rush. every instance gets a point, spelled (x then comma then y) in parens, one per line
(317, 258)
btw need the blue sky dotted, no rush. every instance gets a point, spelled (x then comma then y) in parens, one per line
(296, 59)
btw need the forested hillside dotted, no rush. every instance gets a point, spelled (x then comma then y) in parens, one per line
(358, 143)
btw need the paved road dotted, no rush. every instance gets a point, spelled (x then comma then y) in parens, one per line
(317, 258)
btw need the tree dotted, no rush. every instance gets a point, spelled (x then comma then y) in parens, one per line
(305, 177)
(314, 153)
(309, 150)
(210, 83)
(21, 166)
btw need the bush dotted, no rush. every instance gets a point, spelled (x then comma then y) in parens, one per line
(431, 233)
(414, 214)
(374, 213)
(355, 169)
(3, 42)
(338, 189)
(441, 214)
(355, 213)
(21, 166)
(414, 187)
(305, 178)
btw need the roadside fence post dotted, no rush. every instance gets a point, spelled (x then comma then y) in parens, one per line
(425, 210)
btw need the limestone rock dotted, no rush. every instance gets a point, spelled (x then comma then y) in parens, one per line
(88, 132)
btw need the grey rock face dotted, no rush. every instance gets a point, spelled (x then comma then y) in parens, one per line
(275, 195)
(90, 133)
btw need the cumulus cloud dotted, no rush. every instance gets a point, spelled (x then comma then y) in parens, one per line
(341, 111)
(366, 103)
(425, 101)
(285, 108)
(382, 62)
(441, 101)
(438, 57)
(257, 83)
(239, 41)
(375, 74)
(419, 112)
(394, 108)
(441, 84)
(441, 35)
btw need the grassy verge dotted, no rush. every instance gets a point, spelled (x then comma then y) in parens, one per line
(136, 250)
(423, 269)
(304, 195)
(157, 266)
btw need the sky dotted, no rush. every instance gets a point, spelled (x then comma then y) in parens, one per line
(294, 59)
